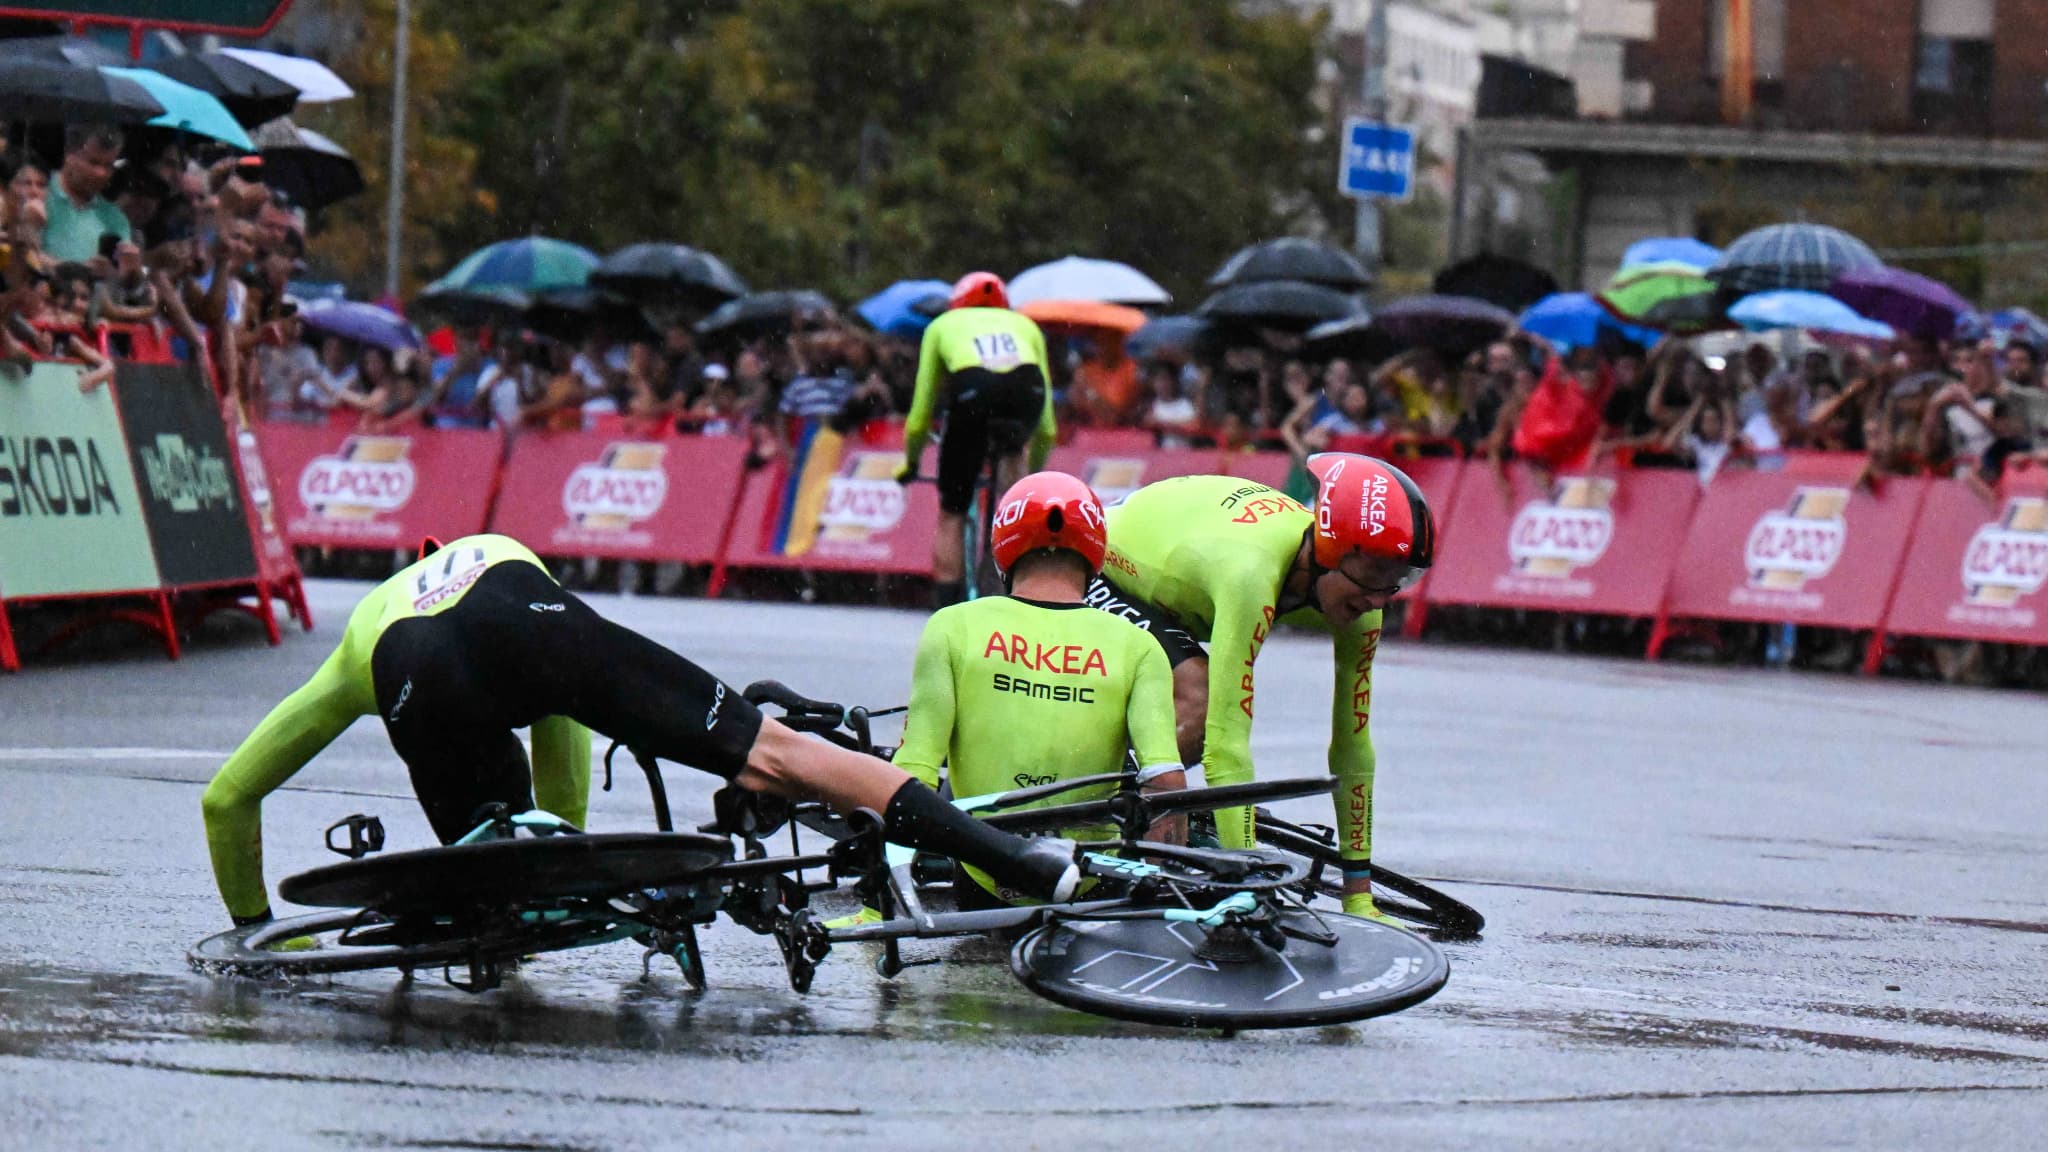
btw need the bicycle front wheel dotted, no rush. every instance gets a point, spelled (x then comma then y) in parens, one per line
(507, 872)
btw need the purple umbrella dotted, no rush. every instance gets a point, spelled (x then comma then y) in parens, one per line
(1451, 324)
(362, 323)
(1905, 300)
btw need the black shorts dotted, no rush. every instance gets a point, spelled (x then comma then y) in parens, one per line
(451, 688)
(1165, 627)
(988, 414)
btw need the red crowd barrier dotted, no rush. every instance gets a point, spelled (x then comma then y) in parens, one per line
(625, 497)
(345, 489)
(1803, 549)
(1601, 544)
(1976, 570)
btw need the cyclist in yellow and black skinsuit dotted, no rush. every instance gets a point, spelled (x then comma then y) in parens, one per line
(985, 367)
(1033, 687)
(475, 640)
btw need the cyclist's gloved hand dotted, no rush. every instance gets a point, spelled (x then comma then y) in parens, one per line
(906, 472)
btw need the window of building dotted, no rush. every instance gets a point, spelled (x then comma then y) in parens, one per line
(1952, 66)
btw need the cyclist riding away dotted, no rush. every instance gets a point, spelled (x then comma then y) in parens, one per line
(1031, 688)
(985, 367)
(475, 640)
(1221, 559)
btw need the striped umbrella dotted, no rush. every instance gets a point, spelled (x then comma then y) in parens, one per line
(1806, 257)
(1638, 288)
(529, 265)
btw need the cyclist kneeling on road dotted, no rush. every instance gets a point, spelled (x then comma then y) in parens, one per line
(1222, 559)
(985, 367)
(1032, 688)
(475, 640)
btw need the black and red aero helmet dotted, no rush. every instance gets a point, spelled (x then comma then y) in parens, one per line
(1366, 505)
(981, 290)
(1048, 510)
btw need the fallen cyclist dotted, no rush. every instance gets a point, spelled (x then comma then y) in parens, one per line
(475, 640)
(1032, 688)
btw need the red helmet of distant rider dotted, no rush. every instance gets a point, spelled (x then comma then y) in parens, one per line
(1367, 507)
(1048, 510)
(981, 290)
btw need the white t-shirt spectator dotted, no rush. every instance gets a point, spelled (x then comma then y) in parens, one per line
(1707, 456)
(1761, 434)
(1166, 413)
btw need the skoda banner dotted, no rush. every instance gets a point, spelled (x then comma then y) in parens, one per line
(71, 519)
(183, 462)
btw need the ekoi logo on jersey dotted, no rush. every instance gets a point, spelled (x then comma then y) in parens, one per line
(1251, 656)
(1361, 682)
(1066, 659)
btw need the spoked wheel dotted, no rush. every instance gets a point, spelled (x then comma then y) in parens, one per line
(1396, 895)
(343, 940)
(523, 871)
(1280, 968)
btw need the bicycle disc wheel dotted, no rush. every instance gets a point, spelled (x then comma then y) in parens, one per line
(1180, 975)
(1161, 804)
(509, 871)
(349, 941)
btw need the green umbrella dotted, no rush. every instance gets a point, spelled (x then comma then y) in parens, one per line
(529, 265)
(187, 108)
(1638, 288)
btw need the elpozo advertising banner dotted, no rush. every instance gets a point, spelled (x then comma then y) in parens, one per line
(589, 494)
(191, 498)
(344, 489)
(836, 505)
(71, 518)
(1803, 549)
(1587, 543)
(1976, 571)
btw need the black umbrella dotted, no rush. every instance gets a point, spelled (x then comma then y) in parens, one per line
(765, 313)
(471, 307)
(1355, 338)
(1170, 338)
(252, 96)
(34, 90)
(669, 274)
(1700, 312)
(311, 170)
(1453, 325)
(1796, 256)
(1293, 258)
(1501, 280)
(69, 51)
(1284, 304)
(575, 314)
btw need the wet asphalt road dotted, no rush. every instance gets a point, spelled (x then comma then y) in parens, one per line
(1725, 908)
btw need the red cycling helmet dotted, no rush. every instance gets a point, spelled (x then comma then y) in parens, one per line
(1368, 506)
(980, 290)
(1048, 510)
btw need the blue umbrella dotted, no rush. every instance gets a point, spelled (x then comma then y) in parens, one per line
(1674, 249)
(187, 108)
(1575, 320)
(360, 322)
(903, 308)
(1811, 311)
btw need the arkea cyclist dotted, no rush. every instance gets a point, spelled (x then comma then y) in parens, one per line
(1219, 559)
(1032, 688)
(985, 367)
(475, 640)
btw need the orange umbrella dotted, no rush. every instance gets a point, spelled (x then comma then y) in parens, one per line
(1085, 314)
